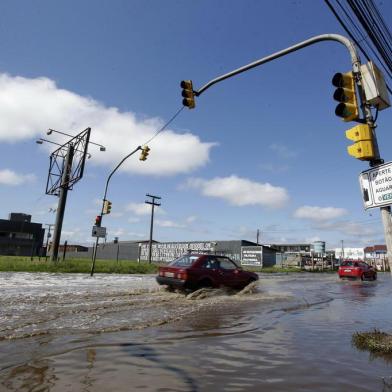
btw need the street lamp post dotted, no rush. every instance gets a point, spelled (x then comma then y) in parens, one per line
(103, 202)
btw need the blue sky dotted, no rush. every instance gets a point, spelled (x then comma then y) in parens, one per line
(263, 150)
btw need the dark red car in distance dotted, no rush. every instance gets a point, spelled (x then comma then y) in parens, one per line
(193, 271)
(357, 269)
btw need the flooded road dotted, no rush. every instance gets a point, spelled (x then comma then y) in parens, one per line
(70, 332)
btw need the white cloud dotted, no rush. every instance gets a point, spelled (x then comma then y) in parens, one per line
(315, 213)
(274, 168)
(283, 151)
(241, 191)
(134, 220)
(191, 219)
(138, 235)
(143, 209)
(22, 117)
(9, 177)
(169, 223)
(349, 228)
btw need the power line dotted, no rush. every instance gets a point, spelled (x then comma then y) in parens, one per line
(378, 38)
(165, 125)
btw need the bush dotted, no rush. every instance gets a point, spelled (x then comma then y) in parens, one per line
(375, 341)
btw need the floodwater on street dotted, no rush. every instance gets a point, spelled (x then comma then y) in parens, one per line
(291, 332)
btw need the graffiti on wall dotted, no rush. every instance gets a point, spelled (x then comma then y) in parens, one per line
(171, 250)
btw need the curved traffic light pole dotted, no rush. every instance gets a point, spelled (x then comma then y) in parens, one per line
(103, 202)
(366, 109)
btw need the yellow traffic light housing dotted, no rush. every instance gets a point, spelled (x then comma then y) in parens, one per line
(107, 207)
(345, 94)
(144, 154)
(363, 148)
(188, 94)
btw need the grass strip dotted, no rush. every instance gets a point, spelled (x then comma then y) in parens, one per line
(25, 264)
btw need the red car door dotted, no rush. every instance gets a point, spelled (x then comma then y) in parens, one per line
(229, 273)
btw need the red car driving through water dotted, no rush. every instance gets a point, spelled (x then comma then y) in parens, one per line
(357, 269)
(193, 271)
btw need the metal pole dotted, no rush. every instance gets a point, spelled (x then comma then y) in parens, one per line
(151, 229)
(62, 201)
(324, 37)
(342, 254)
(355, 61)
(377, 160)
(153, 204)
(103, 201)
(47, 239)
(65, 249)
(387, 223)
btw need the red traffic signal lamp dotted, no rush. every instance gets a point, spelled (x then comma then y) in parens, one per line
(188, 94)
(98, 220)
(345, 94)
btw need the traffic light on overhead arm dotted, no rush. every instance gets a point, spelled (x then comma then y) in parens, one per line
(345, 94)
(107, 207)
(363, 148)
(144, 153)
(188, 94)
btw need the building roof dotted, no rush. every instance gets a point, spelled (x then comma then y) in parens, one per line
(375, 248)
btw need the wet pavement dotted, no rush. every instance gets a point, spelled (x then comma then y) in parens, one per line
(292, 332)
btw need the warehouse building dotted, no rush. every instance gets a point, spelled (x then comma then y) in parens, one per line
(167, 251)
(19, 236)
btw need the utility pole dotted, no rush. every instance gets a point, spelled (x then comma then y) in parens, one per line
(49, 225)
(153, 204)
(62, 201)
(257, 236)
(342, 255)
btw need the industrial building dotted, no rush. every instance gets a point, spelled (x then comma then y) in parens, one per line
(259, 255)
(19, 236)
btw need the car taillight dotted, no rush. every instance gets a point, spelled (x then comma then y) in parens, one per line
(161, 273)
(182, 275)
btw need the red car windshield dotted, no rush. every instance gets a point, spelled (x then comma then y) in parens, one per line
(184, 261)
(351, 263)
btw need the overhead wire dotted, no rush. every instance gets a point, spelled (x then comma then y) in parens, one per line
(165, 125)
(385, 64)
(365, 13)
(364, 40)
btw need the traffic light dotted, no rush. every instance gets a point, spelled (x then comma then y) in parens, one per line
(107, 207)
(144, 154)
(188, 94)
(363, 147)
(347, 108)
(98, 219)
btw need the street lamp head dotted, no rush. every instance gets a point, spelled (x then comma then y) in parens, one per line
(39, 141)
(49, 131)
(102, 148)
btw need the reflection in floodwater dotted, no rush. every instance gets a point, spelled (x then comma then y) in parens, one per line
(121, 333)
